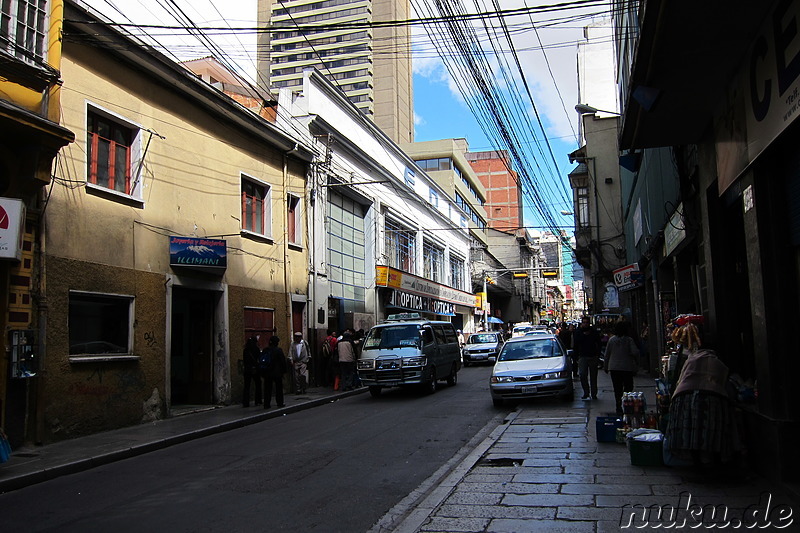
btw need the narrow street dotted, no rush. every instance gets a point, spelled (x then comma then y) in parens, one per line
(338, 467)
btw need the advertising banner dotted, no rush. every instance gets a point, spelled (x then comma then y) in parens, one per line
(203, 254)
(389, 277)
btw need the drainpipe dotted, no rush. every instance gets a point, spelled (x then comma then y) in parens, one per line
(285, 219)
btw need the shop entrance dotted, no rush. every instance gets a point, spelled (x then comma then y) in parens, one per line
(191, 362)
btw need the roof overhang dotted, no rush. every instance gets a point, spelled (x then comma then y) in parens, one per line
(687, 54)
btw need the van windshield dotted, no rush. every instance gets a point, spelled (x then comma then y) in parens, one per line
(400, 336)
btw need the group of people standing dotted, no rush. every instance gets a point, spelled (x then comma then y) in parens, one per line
(339, 357)
(269, 365)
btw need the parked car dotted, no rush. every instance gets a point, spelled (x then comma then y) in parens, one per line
(530, 367)
(482, 347)
(407, 350)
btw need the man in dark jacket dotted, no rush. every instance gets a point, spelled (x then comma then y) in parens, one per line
(586, 343)
(273, 375)
(250, 363)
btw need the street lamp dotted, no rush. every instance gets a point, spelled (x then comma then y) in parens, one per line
(584, 109)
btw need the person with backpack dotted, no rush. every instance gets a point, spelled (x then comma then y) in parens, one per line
(274, 367)
(299, 353)
(250, 363)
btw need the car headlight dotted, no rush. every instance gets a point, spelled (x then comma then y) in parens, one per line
(414, 361)
(552, 375)
(366, 364)
(501, 379)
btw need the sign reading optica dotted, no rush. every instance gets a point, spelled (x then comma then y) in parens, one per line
(396, 279)
(198, 253)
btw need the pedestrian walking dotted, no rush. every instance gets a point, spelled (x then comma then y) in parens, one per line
(586, 343)
(299, 353)
(250, 368)
(273, 373)
(622, 361)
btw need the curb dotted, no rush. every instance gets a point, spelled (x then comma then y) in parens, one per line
(439, 489)
(31, 478)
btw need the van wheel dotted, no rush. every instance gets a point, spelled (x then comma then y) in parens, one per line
(375, 391)
(430, 386)
(452, 379)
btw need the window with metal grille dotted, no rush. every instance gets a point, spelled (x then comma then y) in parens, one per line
(433, 261)
(401, 248)
(346, 256)
(457, 272)
(23, 24)
(255, 207)
(110, 154)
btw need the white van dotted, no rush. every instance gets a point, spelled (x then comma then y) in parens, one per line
(409, 350)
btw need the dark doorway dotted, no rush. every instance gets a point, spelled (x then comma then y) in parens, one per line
(192, 369)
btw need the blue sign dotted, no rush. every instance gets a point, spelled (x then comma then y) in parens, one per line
(211, 254)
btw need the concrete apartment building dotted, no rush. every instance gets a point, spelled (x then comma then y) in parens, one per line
(372, 66)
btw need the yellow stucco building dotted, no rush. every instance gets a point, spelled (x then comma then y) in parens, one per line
(173, 230)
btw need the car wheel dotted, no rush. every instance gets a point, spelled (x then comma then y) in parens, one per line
(452, 379)
(466, 363)
(430, 386)
(498, 402)
(375, 391)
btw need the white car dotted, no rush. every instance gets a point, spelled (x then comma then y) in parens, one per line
(530, 367)
(482, 347)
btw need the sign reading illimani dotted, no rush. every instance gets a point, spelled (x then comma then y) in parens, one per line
(198, 253)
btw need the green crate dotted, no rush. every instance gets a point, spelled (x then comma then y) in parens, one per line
(646, 452)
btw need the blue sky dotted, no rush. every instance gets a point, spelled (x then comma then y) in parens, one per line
(545, 46)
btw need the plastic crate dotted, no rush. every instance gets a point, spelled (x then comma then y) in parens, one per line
(646, 453)
(607, 428)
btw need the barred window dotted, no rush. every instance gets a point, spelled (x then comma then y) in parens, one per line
(433, 260)
(400, 247)
(457, 272)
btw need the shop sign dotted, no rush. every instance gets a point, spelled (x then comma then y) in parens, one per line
(675, 231)
(415, 302)
(202, 254)
(628, 277)
(765, 98)
(389, 277)
(12, 228)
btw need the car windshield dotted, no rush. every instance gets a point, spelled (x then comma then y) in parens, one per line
(533, 349)
(482, 338)
(400, 336)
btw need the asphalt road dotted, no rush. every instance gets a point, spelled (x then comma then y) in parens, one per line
(337, 467)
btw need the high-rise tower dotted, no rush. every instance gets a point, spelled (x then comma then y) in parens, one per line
(372, 66)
